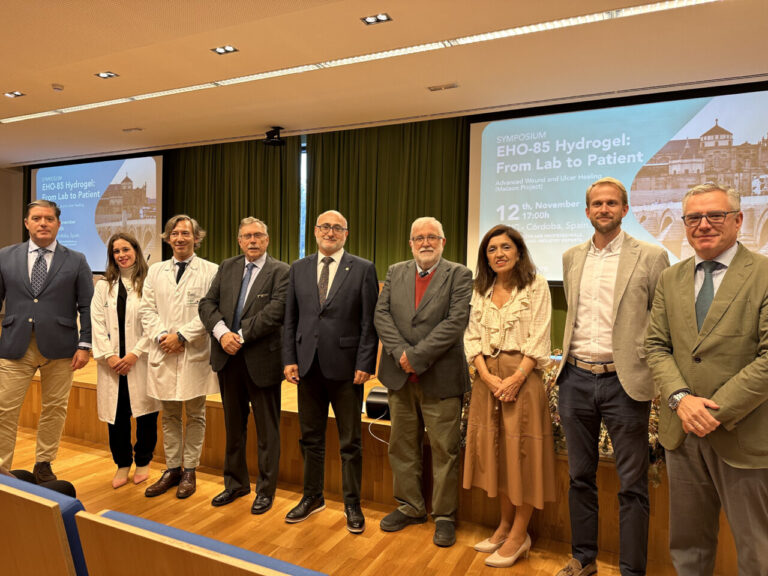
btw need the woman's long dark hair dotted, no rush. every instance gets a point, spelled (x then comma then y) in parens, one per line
(112, 274)
(524, 271)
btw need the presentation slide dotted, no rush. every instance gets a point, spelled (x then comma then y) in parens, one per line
(532, 173)
(98, 199)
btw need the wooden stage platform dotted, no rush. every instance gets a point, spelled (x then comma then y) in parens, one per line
(475, 507)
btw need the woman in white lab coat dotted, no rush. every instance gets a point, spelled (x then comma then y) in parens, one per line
(120, 349)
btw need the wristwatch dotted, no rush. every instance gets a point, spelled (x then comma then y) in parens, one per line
(674, 400)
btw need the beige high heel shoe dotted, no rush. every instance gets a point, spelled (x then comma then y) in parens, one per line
(121, 477)
(141, 474)
(498, 561)
(486, 546)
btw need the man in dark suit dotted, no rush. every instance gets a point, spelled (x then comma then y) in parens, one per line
(421, 316)
(45, 287)
(244, 311)
(329, 350)
(707, 346)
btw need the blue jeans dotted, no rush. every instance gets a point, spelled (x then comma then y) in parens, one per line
(585, 399)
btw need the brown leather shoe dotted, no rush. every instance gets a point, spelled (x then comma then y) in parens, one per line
(169, 479)
(187, 485)
(43, 472)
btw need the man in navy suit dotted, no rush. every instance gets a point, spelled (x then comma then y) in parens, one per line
(329, 351)
(45, 287)
(243, 311)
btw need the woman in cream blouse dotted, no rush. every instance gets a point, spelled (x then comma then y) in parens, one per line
(510, 451)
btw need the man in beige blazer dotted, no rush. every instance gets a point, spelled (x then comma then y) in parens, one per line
(707, 347)
(609, 284)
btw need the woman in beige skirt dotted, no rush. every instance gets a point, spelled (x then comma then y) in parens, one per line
(510, 452)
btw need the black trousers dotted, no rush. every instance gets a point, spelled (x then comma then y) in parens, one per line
(584, 400)
(315, 394)
(239, 394)
(120, 432)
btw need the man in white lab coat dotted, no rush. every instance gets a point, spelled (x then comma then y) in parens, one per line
(179, 355)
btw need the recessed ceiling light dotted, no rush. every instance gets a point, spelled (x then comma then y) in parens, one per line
(585, 19)
(131, 130)
(376, 19)
(15, 94)
(221, 50)
(441, 87)
(106, 75)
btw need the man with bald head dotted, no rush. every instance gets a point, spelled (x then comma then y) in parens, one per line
(329, 351)
(421, 315)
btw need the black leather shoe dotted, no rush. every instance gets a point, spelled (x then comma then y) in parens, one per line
(169, 479)
(396, 521)
(229, 496)
(445, 533)
(261, 504)
(308, 506)
(43, 472)
(355, 518)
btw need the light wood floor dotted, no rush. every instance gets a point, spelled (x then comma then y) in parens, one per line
(321, 543)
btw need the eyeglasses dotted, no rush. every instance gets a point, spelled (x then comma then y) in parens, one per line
(325, 228)
(716, 217)
(254, 235)
(421, 239)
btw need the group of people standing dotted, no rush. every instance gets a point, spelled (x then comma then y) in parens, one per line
(697, 333)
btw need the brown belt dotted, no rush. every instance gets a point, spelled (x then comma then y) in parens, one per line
(595, 368)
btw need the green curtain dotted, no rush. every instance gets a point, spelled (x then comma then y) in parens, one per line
(383, 178)
(220, 184)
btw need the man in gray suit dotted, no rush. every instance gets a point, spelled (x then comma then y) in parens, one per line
(609, 283)
(45, 287)
(243, 311)
(421, 316)
(707, 347)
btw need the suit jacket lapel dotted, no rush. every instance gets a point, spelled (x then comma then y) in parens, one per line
(735, 277)
(342, 272)
(630, 253)
(574, 275)
(22, 261)
(236, 281)
(409, 281)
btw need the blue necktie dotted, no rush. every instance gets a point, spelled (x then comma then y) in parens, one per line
(243, 293)
(39, 271)
(706, 292)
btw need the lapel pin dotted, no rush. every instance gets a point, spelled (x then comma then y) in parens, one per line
(347, 268)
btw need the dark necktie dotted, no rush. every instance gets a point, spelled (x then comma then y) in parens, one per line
(243, 293)
(423, 273)
(182, 266)
(706, 292)
(322, 285)
(39, 271)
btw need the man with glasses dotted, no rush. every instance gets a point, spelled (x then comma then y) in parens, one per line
(179, 355)
(609, 282)
(421, 316)
(243, 311)
(707, 347)
(46, 288)
(329, 351)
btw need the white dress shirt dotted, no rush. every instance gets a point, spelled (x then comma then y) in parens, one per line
(724, 259)
(32, 256)
(592, 339)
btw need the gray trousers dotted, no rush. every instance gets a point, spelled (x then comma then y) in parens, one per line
(411, 413)
(699, 483)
